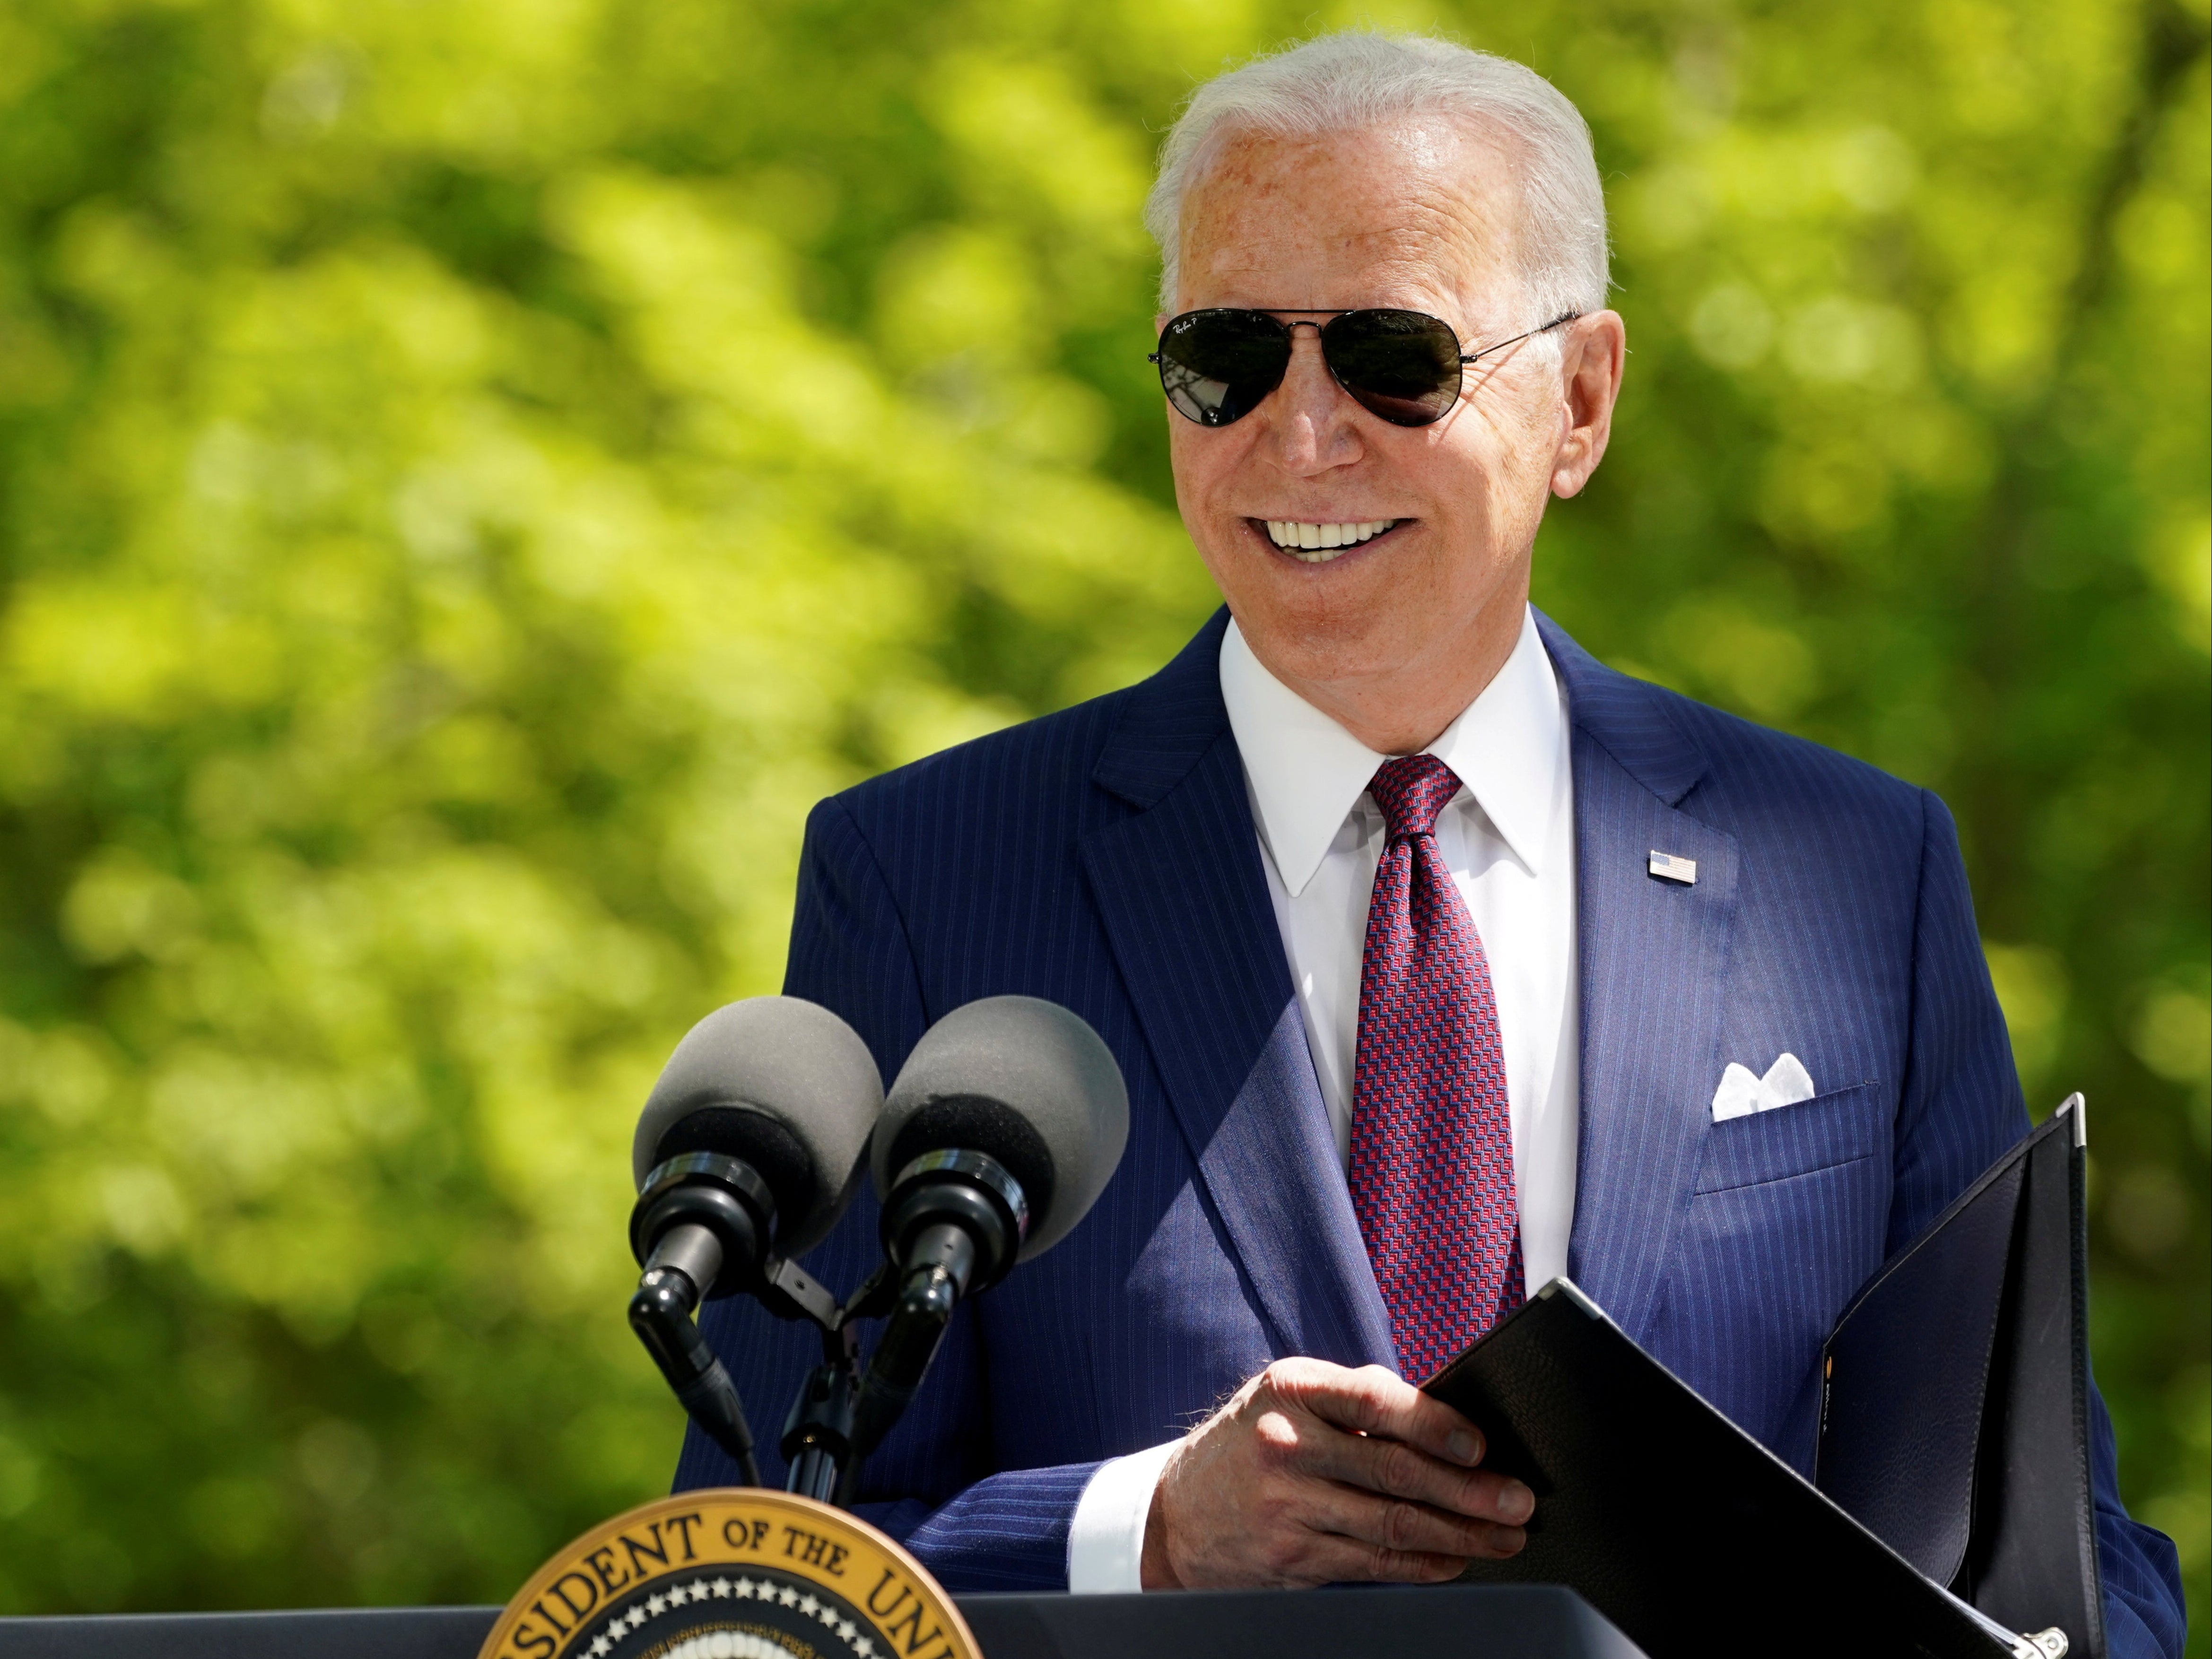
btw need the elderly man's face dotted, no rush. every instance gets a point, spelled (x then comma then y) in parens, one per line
(1419, 216)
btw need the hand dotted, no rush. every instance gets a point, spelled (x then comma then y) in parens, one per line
(1314, 1474)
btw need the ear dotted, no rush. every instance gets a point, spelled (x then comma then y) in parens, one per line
(1591, 359)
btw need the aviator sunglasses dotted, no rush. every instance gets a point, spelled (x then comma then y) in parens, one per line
(1218, 366)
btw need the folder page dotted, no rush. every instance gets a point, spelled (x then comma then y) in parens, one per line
(1683, 1530)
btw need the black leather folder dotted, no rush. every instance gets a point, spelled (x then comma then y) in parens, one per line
(1954, 1411)
(1952, 1519)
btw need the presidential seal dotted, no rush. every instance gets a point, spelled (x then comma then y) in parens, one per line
(731, 1573)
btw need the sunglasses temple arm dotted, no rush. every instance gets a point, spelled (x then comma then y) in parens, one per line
(1477, 356)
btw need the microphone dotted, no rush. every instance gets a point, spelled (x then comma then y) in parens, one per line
(747, 1152)
(1003, 1128)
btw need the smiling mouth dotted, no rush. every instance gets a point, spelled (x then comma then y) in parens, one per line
(1317, 544)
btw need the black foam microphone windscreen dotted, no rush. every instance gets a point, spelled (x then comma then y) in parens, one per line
(783, 1084)
(1020, 1080)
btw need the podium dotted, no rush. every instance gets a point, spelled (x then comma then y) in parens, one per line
(1483, 1621)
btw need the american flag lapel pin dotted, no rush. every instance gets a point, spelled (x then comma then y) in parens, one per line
(1667, 867)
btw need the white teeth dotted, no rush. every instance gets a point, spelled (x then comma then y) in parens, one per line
(1317, 544)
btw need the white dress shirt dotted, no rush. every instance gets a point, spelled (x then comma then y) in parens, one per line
(1508, 840)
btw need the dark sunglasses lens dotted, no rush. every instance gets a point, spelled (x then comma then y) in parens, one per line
(1217, 366)
(1401, 365)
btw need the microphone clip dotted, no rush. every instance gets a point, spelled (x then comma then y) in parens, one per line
(709, 1215)
(959, 1211)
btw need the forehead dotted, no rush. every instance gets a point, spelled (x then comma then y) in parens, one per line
(1419, 210)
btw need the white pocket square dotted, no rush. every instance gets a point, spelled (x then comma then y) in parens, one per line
(1786, 1083)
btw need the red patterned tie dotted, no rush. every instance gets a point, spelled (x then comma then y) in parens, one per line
(1431, 1142)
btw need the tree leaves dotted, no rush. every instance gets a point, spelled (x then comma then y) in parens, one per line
(472, 476)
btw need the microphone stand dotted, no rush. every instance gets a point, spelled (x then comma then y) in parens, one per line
(821, 1442)
(817, 1435)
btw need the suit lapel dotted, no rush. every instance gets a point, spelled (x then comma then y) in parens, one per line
(1654, 971)
(1183, 897)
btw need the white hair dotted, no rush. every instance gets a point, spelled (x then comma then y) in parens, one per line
(1344, 83)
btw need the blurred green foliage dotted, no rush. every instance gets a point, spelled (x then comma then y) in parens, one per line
(472, 475)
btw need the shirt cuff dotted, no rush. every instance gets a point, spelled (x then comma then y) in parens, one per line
(1106, 1540)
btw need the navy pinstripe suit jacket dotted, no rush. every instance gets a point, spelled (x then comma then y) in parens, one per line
(1104, 858)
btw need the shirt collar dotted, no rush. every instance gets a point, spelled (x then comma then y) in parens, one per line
(1307, 773)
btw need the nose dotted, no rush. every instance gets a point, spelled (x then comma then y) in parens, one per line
(1311, 417)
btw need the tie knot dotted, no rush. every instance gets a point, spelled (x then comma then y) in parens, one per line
(1412, 791)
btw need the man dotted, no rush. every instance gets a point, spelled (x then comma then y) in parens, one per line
(1424, 942)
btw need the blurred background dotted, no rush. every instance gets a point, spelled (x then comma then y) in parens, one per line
(473, 474)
